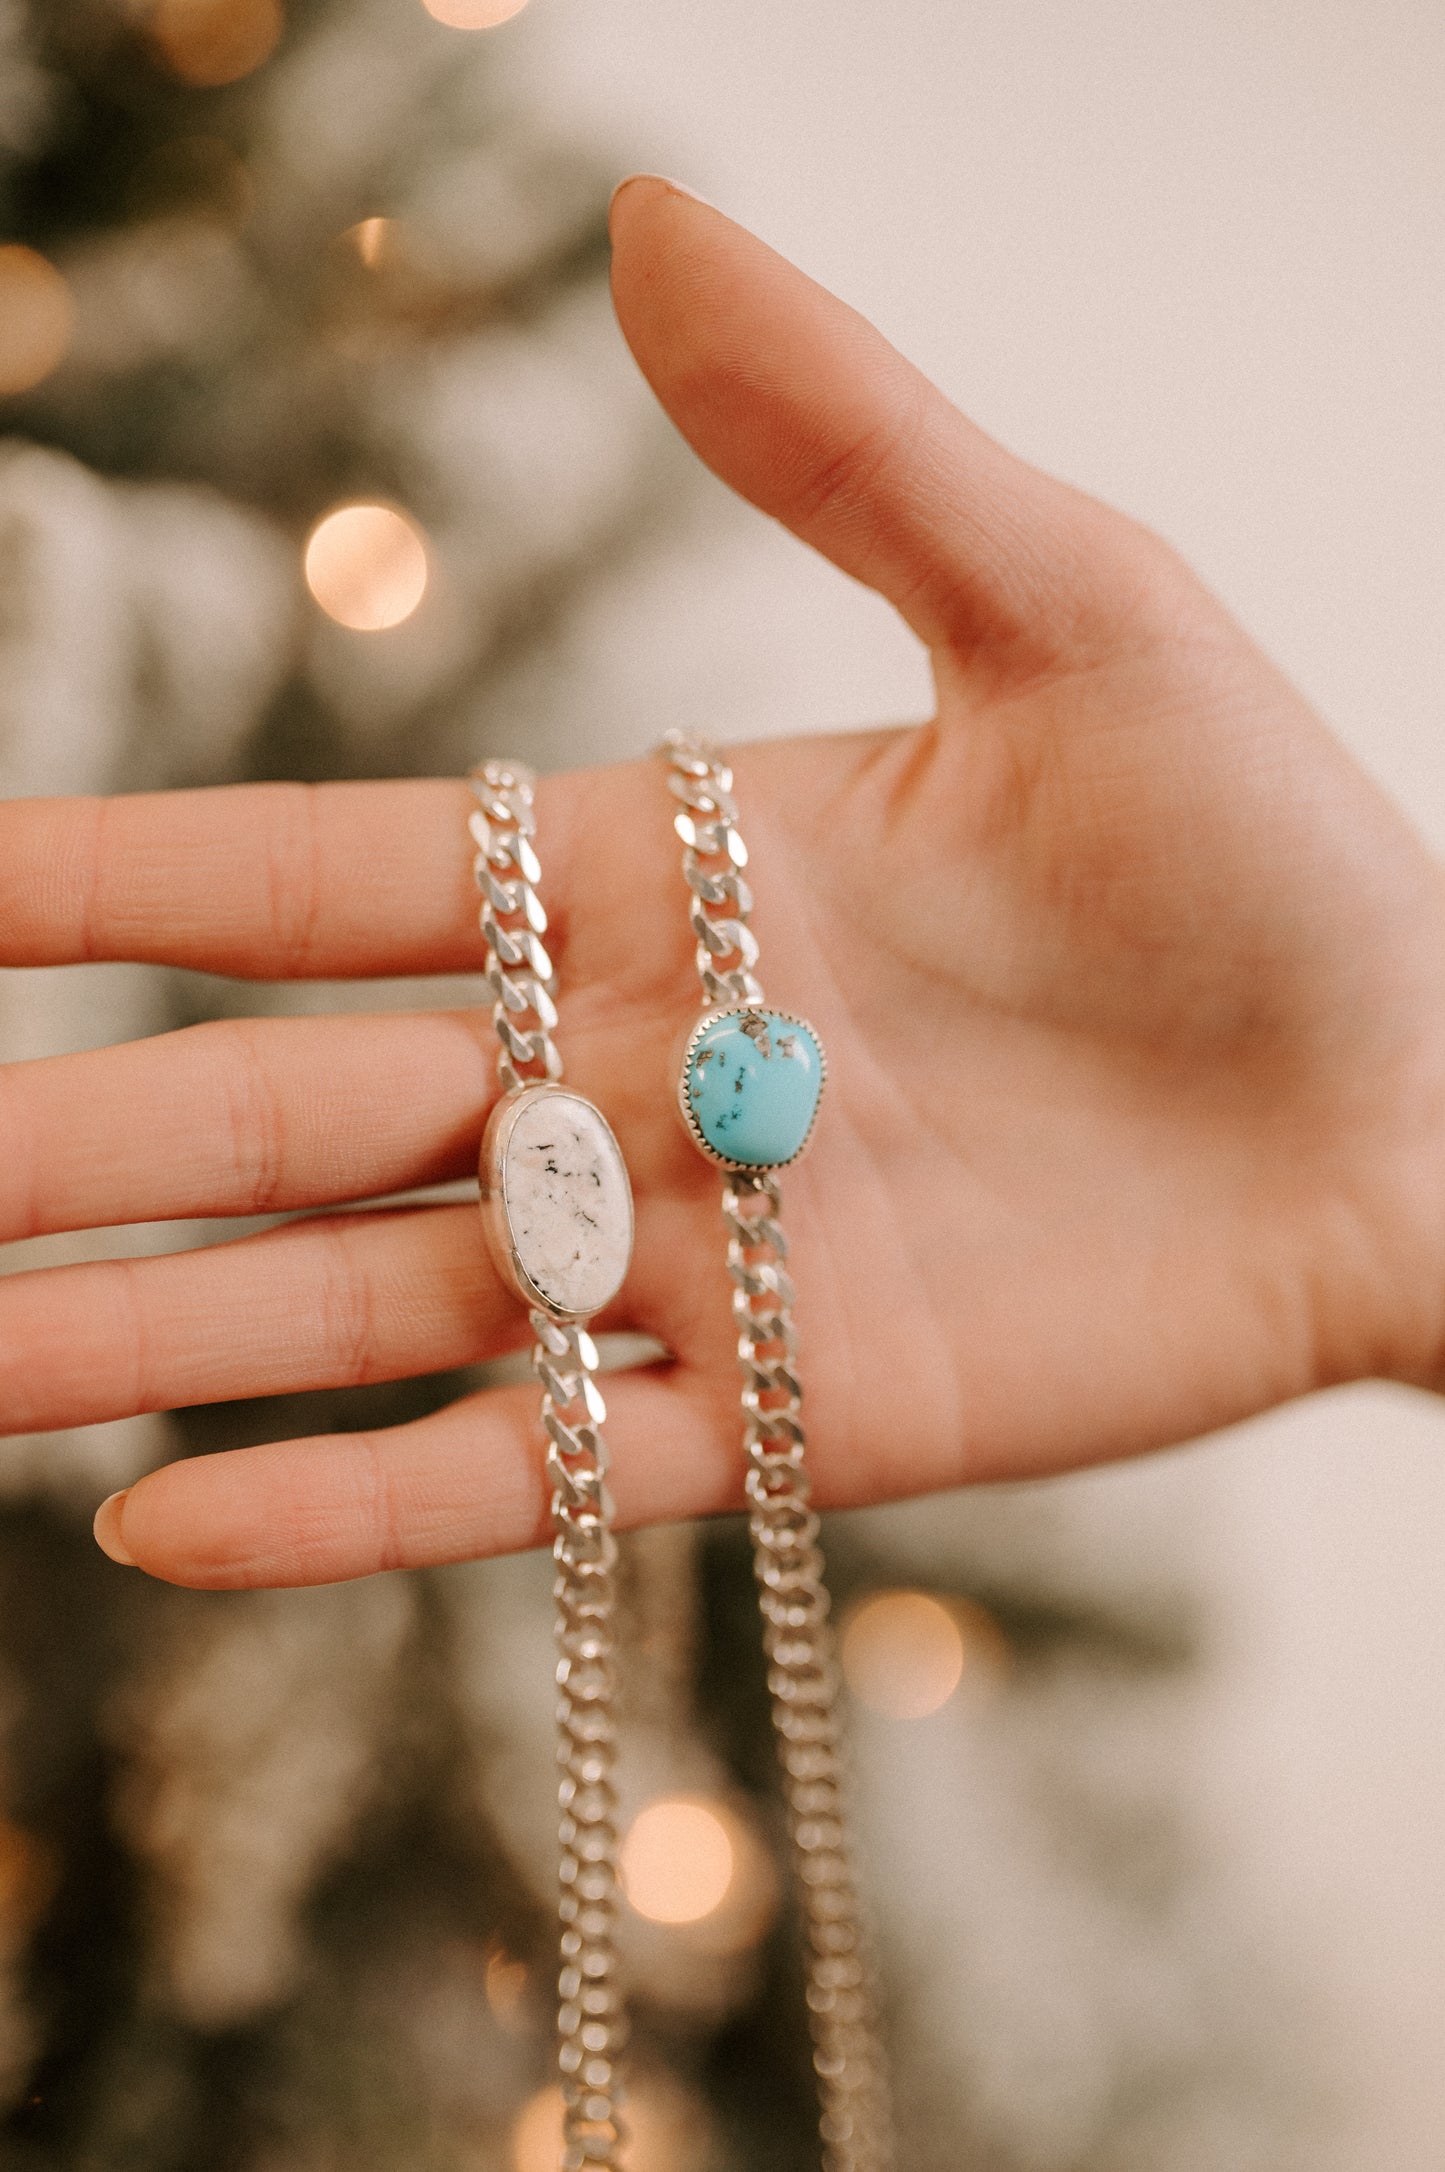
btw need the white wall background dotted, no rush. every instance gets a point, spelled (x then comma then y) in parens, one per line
(1194, 259)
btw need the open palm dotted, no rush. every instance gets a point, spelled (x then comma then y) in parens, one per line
(1130, 984)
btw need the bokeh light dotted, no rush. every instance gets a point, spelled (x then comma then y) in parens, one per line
(366, 566)
(537, 2134)
(208, 42)
(473, 14)
(506, 1981)
(36, 317)
(667, 2129)
(904, 1652)
(29, 1874)
(677, 1860)
(372, 239)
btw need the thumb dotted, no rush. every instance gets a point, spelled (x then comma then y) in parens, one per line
(802, 407)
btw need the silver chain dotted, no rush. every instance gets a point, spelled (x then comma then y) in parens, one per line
(518, 971)
(591, 2020)
(848, 2056)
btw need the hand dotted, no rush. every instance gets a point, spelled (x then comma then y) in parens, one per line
(1133, 990)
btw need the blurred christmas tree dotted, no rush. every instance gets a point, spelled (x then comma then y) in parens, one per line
(276, 1871)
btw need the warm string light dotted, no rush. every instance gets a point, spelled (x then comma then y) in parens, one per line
(372, 240)
(29, 1874)
(677, 1861)
(905, 1653)
(366, 565)
(507, 1982)
(667, 2130)
(537, 2133)
(210, 42)
(37, 317)
(473, 14)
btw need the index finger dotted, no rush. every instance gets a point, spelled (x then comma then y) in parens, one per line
(263, 881)
(260, 881)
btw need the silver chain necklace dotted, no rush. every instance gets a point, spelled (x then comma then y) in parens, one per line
(557, 1211)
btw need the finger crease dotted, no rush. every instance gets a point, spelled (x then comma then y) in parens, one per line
(131, 1334)
(378, 1498)
(23, 1164)
(850, 470)
(347, 1309)
(257, 1127)
(294, 870)
(93, 859)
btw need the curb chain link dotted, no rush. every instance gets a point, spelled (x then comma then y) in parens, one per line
(848, 2056)
(591, 2020)
(518, 971)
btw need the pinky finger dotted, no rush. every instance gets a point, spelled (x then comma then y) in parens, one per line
(465, 1482)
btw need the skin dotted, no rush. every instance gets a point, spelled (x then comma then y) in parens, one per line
(1132, 986)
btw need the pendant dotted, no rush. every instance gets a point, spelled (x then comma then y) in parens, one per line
(750, 1084)
(556, 1201)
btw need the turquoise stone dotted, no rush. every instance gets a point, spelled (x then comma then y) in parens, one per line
(752, 1084)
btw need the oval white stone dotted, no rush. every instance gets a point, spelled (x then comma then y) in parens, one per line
(567, 1200)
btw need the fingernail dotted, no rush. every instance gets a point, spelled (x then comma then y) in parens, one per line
(107, 1530)
(678, 188)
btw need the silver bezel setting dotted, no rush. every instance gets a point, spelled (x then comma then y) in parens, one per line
(684, 1106)
(496, 1222)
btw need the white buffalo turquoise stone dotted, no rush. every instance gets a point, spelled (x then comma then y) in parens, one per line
(752, 1085)
(567, 1200)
